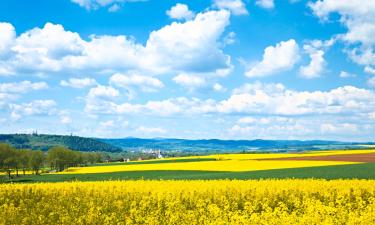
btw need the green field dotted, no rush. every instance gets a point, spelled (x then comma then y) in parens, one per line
(359, 171)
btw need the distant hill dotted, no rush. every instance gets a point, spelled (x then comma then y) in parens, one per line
(130, 144)
(44, 142)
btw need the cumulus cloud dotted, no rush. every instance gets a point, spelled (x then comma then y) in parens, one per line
(342, 128)
(191, 46)
(198, 83)
(65, 117)
(78, 82)
(218, 87)
(277, 58)
(7, 37)
(359, 19)
(254, 99)
(315, 50)
(344, 74)
(267, 4)
(113, 5)
(371, 82)
(145, 83)
(189, 80)
(22, 87)
(10, 92)
(236, 7)
(263, 120)
(36, 107)
(180, 11)
(103, 92)
(114, 8)
(370, 70)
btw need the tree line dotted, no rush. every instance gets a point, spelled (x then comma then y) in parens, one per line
(45, 141)
(17, 161)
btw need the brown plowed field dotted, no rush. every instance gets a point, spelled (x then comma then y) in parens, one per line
(367, 157)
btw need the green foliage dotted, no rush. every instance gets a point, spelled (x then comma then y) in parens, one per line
(36, 160)
(45, 142)
(59, 158)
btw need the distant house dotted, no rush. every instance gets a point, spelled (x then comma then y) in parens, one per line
(159, 155)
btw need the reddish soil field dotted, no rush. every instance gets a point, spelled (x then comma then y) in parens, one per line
(367, 157)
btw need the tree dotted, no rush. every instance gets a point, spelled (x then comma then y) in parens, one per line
(7, 159)
(24, 159)
(36, 160)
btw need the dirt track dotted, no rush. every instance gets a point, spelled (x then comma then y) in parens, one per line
(368, 157)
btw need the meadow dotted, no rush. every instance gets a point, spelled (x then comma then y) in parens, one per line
(190, 202)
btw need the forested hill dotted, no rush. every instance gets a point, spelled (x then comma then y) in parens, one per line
(129, 144)
(44, 142)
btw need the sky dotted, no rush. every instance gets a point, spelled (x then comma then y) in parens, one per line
(226, 69)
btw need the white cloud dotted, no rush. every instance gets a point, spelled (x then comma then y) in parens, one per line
(254, 99)
(291, 130)
(277, 58)
(114, 8)
(146, 83)
(237, 7)
(78, 82)
(277, 100)
(107, 124)
(315, 68)
(370, 70)
(341, 128)
(66, 120)
(113, 5)
(371, 115)
(263, 120)
(344, 74)
(218, 87)
(371, 82)
(5, 98)
(189, 80)
(36, 107)
(267, 4)
(359, 19)
(22, 87)
(7, 37)
(39, 50)
(180, 11)
(230, 38)
(10, 92)
(191, 46)
(150, 130)
(103, 92)
(65, 117)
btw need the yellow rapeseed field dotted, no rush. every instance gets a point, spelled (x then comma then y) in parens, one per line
(226, 162)
(221, 165)
(190, 202)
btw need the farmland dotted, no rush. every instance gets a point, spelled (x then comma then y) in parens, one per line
(325, 187)
(190, 202)
(224, 166)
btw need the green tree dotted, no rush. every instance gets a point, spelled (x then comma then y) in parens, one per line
(24, 159)
(36, 160)
(7, 159)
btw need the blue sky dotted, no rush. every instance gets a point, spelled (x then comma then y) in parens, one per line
(228, 69)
